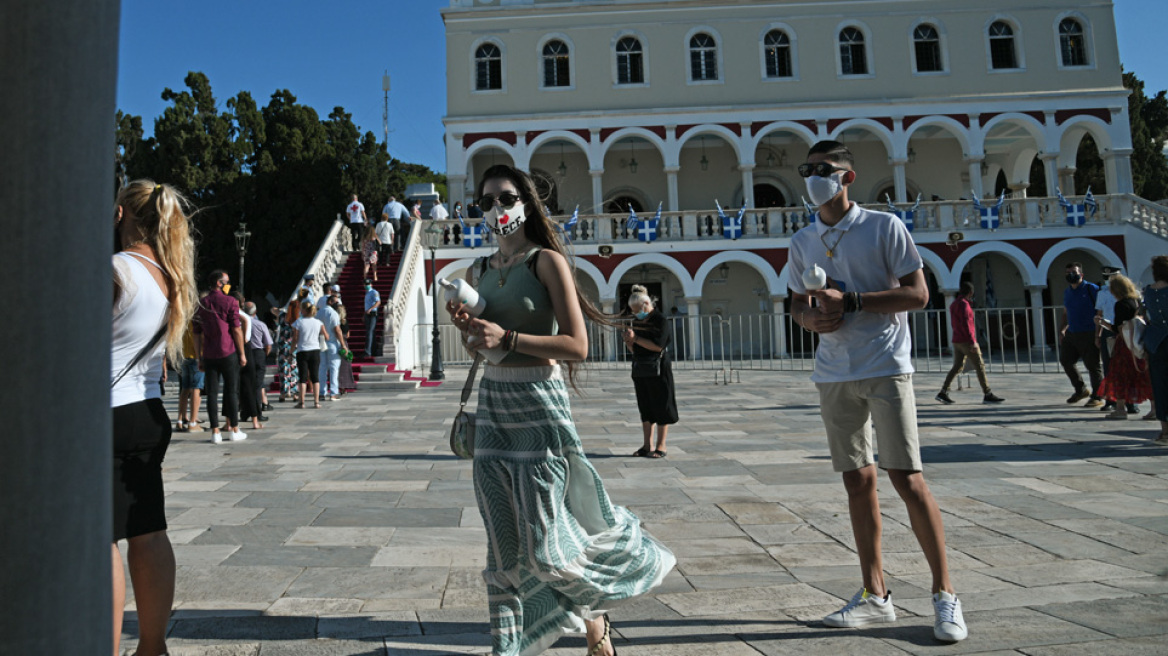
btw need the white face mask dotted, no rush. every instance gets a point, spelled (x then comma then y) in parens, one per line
(504, 222)
(822, 190)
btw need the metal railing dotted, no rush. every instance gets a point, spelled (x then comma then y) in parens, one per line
(1012, 340)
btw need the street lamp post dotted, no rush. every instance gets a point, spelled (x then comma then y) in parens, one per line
(242, 236)
(433, 239)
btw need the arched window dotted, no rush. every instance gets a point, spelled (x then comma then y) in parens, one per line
(703, 57)
(927, 46)
(853, 57)
(1002, 52)
(630, 61)
(556, 64)
(488, 67)
(1072, 43)
(777, 54)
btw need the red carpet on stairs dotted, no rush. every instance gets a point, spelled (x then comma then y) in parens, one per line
(352, 282)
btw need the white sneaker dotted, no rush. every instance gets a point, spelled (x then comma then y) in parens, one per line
(217, 438)
(237, 436)
(864, 608)
(948, 624)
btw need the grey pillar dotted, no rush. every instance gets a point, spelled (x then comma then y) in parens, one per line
(58, 70)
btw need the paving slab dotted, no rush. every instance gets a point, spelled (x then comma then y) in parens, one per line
(351, 531)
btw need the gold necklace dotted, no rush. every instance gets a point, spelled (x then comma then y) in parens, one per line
(510, 259)
(831, 249)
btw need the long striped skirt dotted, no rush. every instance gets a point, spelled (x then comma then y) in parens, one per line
(558, 551)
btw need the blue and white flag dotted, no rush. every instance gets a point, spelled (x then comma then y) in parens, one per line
(567, 226)
(907, 216)
(732, 226)
(1077, 213)
(991, 215)
(647, 229)
(633, 220)
(812, 212)
(472, 235)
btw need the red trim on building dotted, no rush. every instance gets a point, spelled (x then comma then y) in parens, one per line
(1100, 113)
(963, 119)
(736, 128)
(758, 126)
(1034, 248)
(682, 129)
(1038, 116)
(810, 125)
(586, 135)
(469, 140)
(533, 134)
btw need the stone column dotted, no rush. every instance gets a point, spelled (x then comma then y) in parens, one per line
(747, 185)
(780, 322)
(456, 190)
(597, 190)
(976, 181)
(1118, 171)
(1050, 169)
(693, 309)
(58, 69)
(899, 181)
(672, 204)
(1037, 331)
(1018, 189)
(1067, 180)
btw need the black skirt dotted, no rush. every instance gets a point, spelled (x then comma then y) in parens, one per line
(141, 437)
(655, 396)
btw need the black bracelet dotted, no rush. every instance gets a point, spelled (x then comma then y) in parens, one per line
(859, 302)
(849, 302)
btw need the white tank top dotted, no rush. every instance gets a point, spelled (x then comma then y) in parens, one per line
(139, 313)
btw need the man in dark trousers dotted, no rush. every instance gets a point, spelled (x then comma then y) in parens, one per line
(220, 352)
(1077, 332)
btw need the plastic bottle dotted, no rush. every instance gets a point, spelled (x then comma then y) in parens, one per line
(814, 278)
(460, 291)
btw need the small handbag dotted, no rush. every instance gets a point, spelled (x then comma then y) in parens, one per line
(1133, 335)
(462, 433)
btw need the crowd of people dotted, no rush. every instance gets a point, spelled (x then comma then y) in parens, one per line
(576, 554)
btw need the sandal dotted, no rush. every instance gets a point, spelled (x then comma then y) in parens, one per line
(642, 453)
(658, 454)
(299, 405)
(607, 637)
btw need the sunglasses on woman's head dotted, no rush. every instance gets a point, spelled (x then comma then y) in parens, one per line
(506, 200)
(822, 169)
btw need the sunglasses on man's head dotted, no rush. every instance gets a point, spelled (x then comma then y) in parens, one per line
(822, 169)
(506, 200)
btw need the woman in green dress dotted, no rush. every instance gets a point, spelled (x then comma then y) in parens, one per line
(560, 554)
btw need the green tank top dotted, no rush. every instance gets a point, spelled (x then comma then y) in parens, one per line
(517, 300)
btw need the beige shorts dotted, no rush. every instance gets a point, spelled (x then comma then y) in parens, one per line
(851, 409)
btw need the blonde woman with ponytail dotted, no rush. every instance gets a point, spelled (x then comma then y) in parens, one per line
(154, 298)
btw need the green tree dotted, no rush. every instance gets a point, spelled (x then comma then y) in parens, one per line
(1149, 127)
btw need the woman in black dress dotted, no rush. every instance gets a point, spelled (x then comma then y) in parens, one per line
(648, 340)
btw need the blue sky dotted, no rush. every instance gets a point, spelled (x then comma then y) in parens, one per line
(331, 54)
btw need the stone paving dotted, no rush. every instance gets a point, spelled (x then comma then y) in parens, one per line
(351, 530)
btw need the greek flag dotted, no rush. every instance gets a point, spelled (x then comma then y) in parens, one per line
(907, 216)
(570, 224)
(472, 235)
(991, 215)
(731, 226)
(633, 220)
(647, 230)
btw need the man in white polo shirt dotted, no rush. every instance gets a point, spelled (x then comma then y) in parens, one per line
(438, 212)
(864, 375)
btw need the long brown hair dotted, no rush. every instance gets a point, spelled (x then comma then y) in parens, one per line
(539, 230)
(162, 216)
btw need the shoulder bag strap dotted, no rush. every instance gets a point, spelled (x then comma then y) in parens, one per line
(141, 354)
(474, 370)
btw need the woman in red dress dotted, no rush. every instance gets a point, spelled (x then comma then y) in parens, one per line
(1127, 378)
